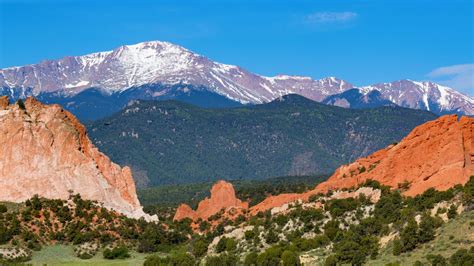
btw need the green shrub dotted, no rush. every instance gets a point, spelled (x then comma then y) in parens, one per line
(271, 256)
(338, 207)
(230, 245)
(176, 259)
(427, 228)
(397, 247)
(251, 259)
(271, 237)
(85, 255)
(354, 249)
(222, 260)
(452, 212)
(330, 261)
(199, 248)
(249, 235)
(182, 259)
(437, 260)
(156, 260)
(119, 252)
(34, 245)
(462, 257)
(331, 229)
(221, 245)
(290, 258)
(468, 196)
(388, 207)
(409, 235)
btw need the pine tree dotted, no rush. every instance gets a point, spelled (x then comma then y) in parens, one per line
(409, 235)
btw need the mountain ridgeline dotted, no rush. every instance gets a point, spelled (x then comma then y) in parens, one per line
(94, 103)
(96, 85)
(170, 142)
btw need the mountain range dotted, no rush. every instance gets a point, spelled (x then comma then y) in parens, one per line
(170, 142)
(99, 84)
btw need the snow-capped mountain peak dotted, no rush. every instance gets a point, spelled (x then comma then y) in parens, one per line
(167, 64)
(425, 95)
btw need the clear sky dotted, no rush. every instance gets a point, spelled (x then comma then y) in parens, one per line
(362, 42)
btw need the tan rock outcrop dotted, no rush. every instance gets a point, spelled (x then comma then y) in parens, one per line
(222, 197)
(45, 150)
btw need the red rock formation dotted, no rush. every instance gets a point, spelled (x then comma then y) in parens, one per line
(184, 211)
(277, 201)
(44, 150)
(438, 154)
(222, 197)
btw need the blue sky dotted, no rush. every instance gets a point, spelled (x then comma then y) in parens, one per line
(362, 42)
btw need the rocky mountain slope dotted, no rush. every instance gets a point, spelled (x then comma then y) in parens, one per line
(168, 142)
(45, 150)
(424, 95)
(131, 66)
(407, 93)
(156, 70)
(355, 98)
(438, 154)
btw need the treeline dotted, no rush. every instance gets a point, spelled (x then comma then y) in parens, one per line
(253, 191)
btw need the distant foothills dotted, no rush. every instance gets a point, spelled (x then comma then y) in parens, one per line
(97, 85)
(171, 142)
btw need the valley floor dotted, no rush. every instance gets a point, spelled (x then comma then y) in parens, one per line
(64, 255)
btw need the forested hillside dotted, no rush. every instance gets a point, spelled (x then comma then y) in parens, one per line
(171, 142)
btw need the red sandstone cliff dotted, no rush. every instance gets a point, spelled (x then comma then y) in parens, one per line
(437, 154)
(44, 150)
(222, 197)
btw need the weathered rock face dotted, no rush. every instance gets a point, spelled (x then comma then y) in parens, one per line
(438, 154)
(222, 197)
(44, 150)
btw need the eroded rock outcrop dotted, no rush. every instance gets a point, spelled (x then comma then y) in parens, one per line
(222, 198)
(437, 154)
(45, 150)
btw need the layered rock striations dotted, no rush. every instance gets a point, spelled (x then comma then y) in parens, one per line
(45, 150)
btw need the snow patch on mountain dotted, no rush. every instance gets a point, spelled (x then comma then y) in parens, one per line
(157, 62)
